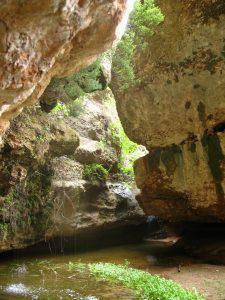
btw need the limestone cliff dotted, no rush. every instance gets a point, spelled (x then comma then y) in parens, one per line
(176, 108)
(41, 39)
(59, 166)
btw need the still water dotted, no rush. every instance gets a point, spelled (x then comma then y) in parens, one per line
(49, 276)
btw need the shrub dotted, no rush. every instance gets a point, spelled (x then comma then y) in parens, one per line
(144, 19)
(72, 87)
(73, 90)
(88, 79)
(146, 286)
(95, 172)
(123, 61)
(75, 109)
(143, 22)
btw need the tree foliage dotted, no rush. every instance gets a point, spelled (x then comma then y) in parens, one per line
(143, 22)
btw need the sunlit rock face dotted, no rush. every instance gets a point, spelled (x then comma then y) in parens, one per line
(41, 39)
(177, 111)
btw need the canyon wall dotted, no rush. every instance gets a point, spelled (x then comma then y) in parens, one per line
(41, 39)
(176, 108)
(59, 166)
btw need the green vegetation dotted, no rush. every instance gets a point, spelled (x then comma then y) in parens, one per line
(74, 109)
(144, 20)
(62, 108)
(78, 266)
(95, 172)
(4, 227)
(77, 108)
(67, 92)
(146, 286)
(72, 87)
(27, 204)
(130, 151)
(123, 61)
(89, 79)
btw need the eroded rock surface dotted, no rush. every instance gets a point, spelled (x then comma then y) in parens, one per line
(41, 39)
(45, 188)
(177, 110)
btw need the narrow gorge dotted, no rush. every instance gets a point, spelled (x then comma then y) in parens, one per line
(112, 147)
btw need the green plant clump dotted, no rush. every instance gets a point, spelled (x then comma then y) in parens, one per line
(78, 266)
(88, 79)
(77, 108)
(72, 87)
(123, 61)
(145, 18)
(95, 172)
(28, 204)
(62, 108)
(146, 286)
(4, 227)
(130, 151)
(143, 22)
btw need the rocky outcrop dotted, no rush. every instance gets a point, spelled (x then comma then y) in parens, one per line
(59, 169)
(94, 191)
(176, 109)
(41, 39)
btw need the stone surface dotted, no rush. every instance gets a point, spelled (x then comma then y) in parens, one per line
(177, 110)
(44, 192)
(42, 39)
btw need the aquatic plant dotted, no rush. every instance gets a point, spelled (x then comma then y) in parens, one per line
(78, 266)
(145, 285)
